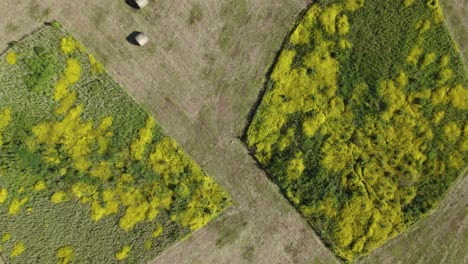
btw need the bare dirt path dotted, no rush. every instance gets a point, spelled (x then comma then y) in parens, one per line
(200, 80)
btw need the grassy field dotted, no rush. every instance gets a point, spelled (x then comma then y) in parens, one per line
(75, 146)
(218, 65)
(362, 128)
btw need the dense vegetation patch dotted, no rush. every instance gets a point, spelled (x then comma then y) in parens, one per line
(363, 124)
(87, 175)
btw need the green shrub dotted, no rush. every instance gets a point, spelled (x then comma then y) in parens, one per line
(42, 69)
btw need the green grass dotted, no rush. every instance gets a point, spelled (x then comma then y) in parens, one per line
(229, 230)
(84, 166)
(363, 122)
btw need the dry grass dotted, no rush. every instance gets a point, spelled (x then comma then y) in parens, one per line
(200, 81)
(456, 13)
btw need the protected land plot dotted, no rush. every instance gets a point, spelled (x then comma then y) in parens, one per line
(364, 122)
(86, 174)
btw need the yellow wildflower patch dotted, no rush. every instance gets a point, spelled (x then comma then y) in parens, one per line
(16, 205)
(11, 58)
(17, 250)
(58, 197)
(6, 237)
(158, 231)
(123, 253)
(65, 254)
(3, 195)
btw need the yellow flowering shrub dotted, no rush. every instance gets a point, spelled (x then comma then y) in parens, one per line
(284, 64)
(444, 76)
(96, 66)
(145, 135)
(39, 186)
(72, 71)
(58, 197)
(123, 253)
(61, 89)
(286, 140)
(311, 125)
(438, 15)
(167, 159)
(207, 198)
(134, 214)
(459, 97)
(76, 138)
(408, 3)
(111, 205)
(66, 104)
(345, 44)
(103, 171)
(414, 55)
(11, 58)
(301, 35)
(106, 123)
(439, 95)
(16, 205)
(110, 200)
(5, 119)
(3, 195)
(328, 18)
(438, 117)
(402, 79)
(296, 167)
(452, 132)
(158, 231)
(423, 26)
(71, 75)
(148, 244)
(104, 144)
(429, 59)
(65, 254)
(69, 45)
(6, 237)
(84, 192)
(445, 61)
(353, 5)
(343, 25)
(18, 249)
(126, 178)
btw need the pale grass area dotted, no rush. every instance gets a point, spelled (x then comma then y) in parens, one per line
(456, 14)
(200, 81)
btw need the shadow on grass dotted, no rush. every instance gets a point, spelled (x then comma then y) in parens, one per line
(131, 38)
(132, 4)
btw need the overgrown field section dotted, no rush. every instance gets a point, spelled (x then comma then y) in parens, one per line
(363, 124)
(87, 175)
